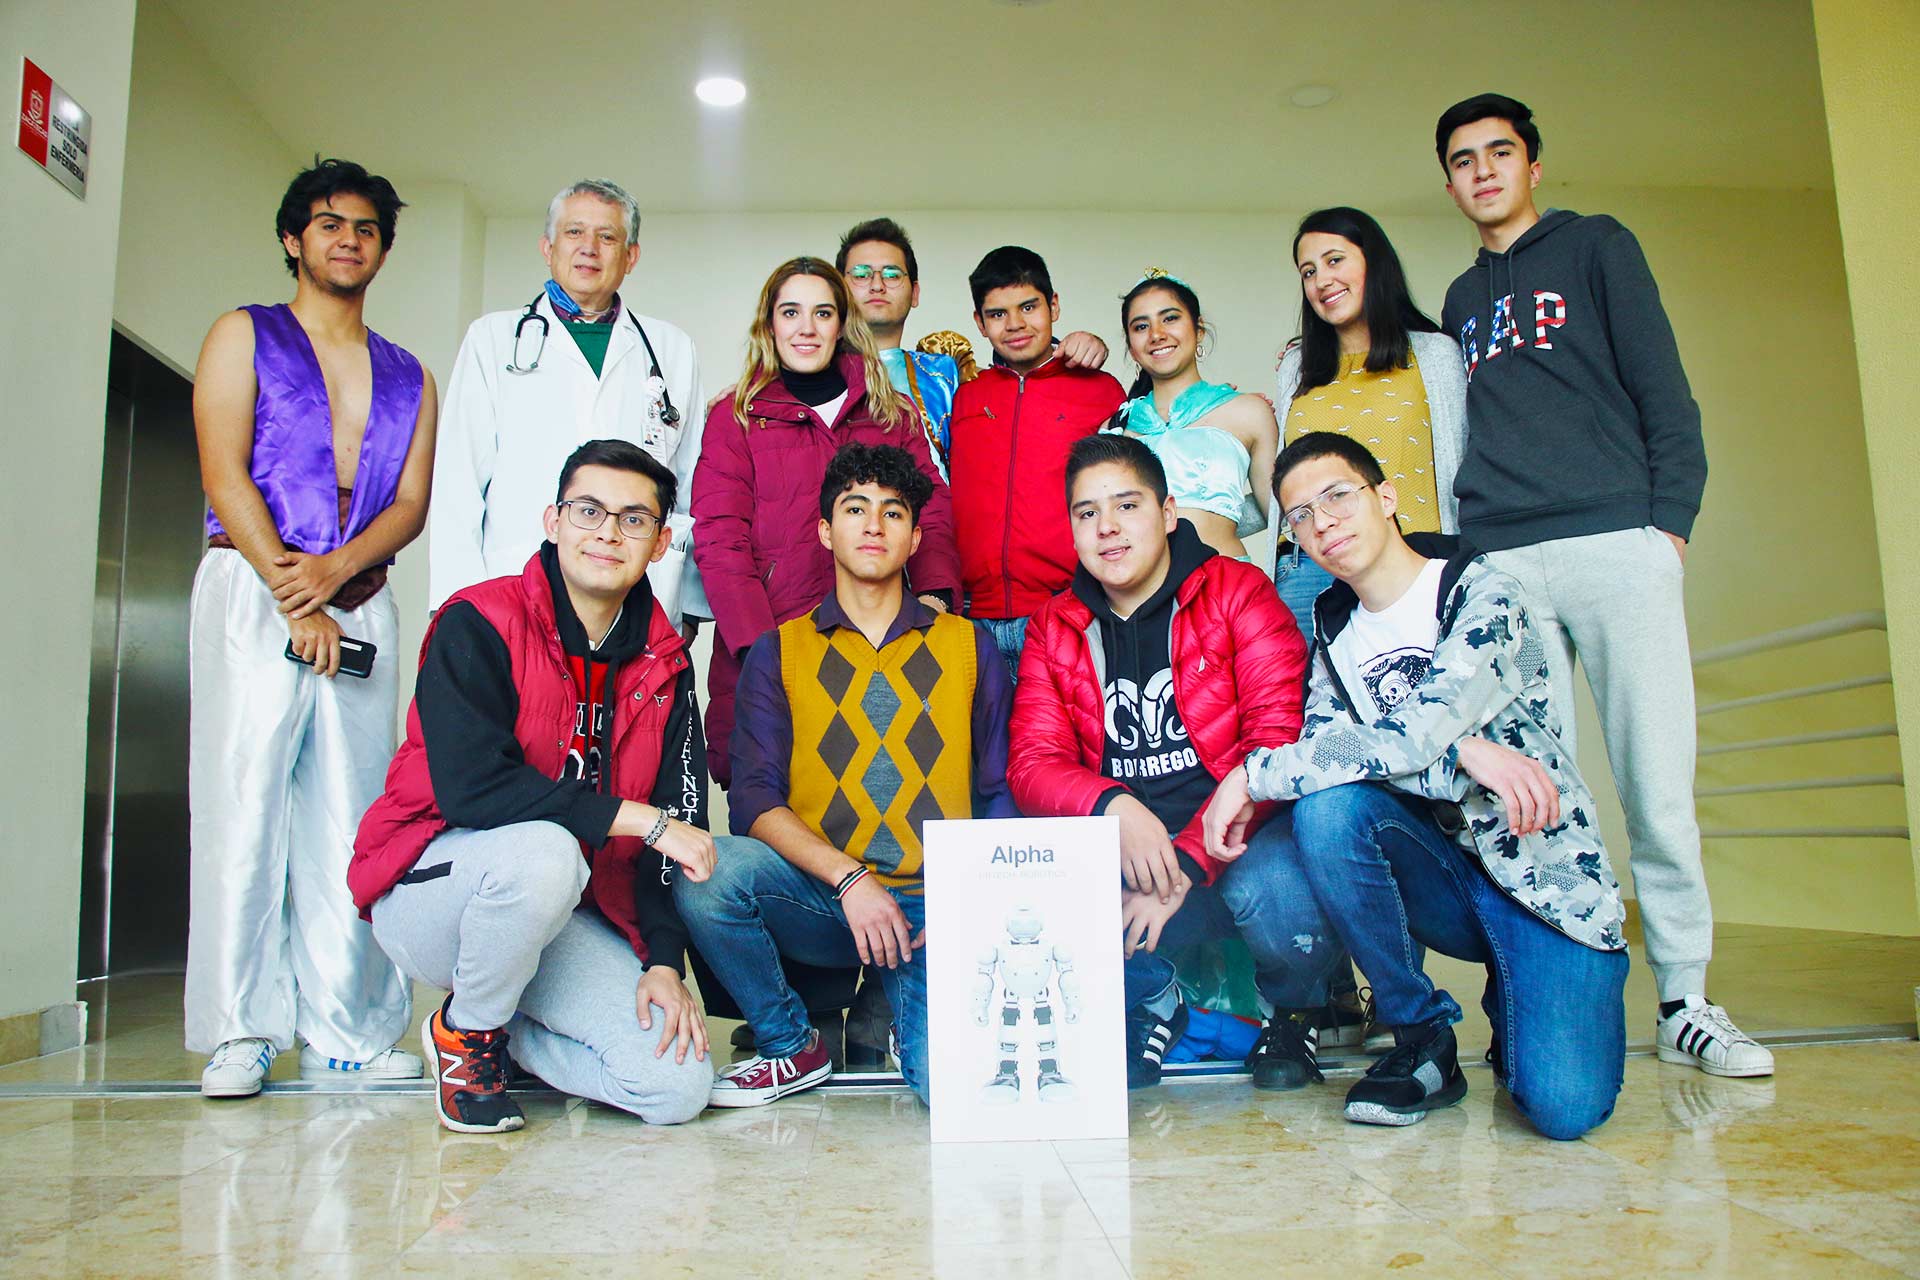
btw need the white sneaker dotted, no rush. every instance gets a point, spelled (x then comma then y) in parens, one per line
(1700, 1034)
(394, 1064)
(237, 1068)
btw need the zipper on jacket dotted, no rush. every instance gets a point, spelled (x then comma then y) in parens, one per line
(1006, 536)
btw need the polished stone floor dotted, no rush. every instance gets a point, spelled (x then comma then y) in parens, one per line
(1814, 1173)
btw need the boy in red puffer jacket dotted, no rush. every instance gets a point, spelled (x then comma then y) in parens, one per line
(1012, 427)
(1141, 687)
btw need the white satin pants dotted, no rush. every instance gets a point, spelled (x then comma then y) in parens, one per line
(281, 764)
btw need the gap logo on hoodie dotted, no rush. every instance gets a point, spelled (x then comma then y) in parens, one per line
(1549, 313)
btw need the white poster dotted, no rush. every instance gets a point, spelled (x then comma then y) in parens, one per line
(1026, 1006)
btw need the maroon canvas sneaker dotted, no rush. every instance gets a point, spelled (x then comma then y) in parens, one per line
(470, 1076)
(758, 1081)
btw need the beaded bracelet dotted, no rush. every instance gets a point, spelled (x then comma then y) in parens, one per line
(849, 880)
(659, 829)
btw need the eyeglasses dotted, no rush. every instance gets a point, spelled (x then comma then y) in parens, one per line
(1339, 502)
(582, 514)
(889, 276)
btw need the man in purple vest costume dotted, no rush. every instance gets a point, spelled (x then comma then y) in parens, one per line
(316, 452)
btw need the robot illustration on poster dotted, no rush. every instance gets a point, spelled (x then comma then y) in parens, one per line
(1027, 972)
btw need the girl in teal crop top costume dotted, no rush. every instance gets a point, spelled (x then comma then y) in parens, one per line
(1216, 443)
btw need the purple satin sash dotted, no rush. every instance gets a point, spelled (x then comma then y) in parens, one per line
(293, 463)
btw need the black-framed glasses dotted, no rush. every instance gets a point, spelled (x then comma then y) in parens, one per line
(583, 513)
(888, 275)
(1339, 501)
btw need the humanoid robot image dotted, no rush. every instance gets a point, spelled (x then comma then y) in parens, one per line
(1025, 971)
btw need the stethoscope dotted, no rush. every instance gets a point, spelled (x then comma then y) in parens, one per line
(668, 414)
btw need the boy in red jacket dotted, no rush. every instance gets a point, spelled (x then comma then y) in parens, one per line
(1140, 688)
(1012, 427)
(553, 748)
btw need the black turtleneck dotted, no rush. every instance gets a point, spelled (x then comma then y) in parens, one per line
(815, 389)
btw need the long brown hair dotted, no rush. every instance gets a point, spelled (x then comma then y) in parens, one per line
(763, 357)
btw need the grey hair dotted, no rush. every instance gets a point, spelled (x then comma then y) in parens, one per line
(612, 192)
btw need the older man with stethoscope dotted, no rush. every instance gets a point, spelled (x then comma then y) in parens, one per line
(530, 385)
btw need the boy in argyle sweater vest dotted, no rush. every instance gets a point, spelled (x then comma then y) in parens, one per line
(855, 724)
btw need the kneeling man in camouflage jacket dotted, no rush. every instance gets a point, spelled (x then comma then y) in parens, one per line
(1433, 804)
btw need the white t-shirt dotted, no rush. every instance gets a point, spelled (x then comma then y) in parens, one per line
(1382, 657)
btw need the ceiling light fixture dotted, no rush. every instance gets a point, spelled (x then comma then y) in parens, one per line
(1313, 95)
(720, 91)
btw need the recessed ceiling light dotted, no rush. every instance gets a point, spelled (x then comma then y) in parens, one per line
(720, 91)
(1313, 95)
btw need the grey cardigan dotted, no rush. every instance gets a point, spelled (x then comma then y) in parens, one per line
(1446, 381)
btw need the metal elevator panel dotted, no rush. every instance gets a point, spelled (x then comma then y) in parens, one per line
(134, 882)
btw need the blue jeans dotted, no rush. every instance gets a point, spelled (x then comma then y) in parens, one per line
(1300, 582)
(1389, 875)
(757, 907)
(1263, 898)
(1010, 636)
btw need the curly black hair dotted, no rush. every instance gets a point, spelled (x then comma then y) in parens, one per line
(325, 180)
(886, 465)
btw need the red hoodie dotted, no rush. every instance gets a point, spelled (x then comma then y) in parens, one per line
(1011, 435)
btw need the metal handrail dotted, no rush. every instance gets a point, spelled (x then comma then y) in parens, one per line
(1803, 833)
(1803, 784)
(1787, 695)
(1843, 625)
(1787, 638)
(1804, 739)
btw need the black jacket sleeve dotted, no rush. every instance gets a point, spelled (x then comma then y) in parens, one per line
(680, 788)
(467, 705)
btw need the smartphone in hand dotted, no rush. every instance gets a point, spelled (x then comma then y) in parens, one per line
(356, 656)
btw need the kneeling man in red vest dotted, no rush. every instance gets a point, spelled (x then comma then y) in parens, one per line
(551, 789)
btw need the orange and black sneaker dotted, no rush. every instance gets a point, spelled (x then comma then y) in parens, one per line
(470, 1076)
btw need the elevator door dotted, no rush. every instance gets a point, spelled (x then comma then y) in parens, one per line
(133, 899)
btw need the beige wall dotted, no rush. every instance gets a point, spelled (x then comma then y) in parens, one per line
(56, 265)
(204, 177)
(1869, 66)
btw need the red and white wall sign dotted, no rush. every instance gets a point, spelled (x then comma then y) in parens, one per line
(55, 132)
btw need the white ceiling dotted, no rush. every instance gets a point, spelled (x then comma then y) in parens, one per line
(983, 104)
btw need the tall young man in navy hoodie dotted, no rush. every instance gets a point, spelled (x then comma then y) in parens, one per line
(1583, 474)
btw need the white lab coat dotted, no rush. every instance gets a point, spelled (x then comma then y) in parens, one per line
(504, 437)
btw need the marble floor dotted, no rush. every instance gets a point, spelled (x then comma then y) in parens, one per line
(106, 1169)
(1816, 1173)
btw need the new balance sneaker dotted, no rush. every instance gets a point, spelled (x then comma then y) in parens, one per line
(237, 1068)
(470, 1076)
(1148, 1038)
(1417, 1077)
(393, 1064)
(758, 1080)
(1700, 1034)
(1286, 1056)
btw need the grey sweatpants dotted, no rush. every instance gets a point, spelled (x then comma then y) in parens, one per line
(1614, 600)
(503, 929)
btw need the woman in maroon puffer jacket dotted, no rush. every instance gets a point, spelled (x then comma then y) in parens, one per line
(813, 383)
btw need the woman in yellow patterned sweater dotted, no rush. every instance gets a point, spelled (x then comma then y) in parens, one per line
(1368, 364)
